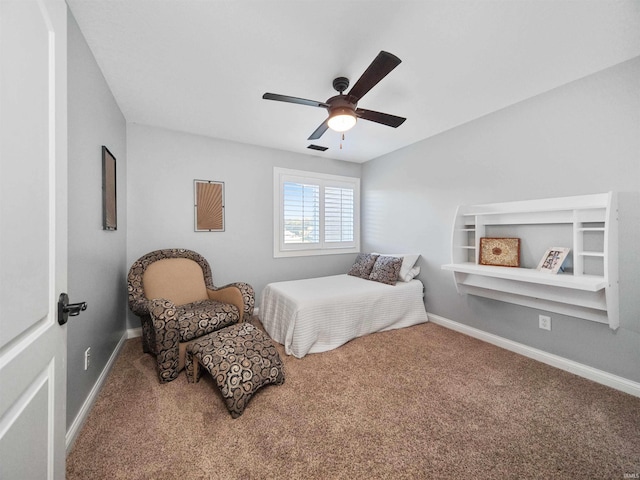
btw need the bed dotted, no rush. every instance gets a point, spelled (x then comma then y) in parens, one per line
(320, 314)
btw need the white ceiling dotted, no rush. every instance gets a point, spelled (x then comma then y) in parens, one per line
(202, 66)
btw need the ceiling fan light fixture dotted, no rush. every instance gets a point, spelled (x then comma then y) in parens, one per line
(342, 119)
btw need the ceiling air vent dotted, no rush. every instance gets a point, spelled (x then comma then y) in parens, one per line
(318, 147)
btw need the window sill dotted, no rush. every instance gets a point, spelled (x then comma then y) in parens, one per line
(314, 252)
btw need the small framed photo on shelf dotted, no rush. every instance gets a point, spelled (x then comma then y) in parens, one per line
(553, 259)
(502, 252)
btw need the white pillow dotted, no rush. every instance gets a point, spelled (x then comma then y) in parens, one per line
(408, 261)
(412, 274)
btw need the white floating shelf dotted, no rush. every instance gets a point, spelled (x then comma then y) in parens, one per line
(589, 283)
(592, 297)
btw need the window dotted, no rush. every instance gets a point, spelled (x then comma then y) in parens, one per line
(315, 214)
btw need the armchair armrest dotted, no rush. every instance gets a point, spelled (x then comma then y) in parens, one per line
(167, 332)
(229, 294)
(138, 303)
(239, 294)
(140, 307)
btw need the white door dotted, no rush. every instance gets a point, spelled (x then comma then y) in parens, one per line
(33, 237)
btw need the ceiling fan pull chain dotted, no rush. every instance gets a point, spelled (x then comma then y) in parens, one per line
(342, 140)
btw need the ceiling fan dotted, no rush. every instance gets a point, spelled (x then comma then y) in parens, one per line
(343, 109)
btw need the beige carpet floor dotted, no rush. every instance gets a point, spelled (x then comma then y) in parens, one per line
(419, 403)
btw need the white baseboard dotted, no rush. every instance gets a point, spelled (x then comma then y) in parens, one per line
(598, 376)
(74, 429)
(134, 332)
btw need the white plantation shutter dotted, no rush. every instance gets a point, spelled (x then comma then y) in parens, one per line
(301, 213)
(315, 214)
(338, 214)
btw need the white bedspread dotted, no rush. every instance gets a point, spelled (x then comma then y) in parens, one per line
(320, 314)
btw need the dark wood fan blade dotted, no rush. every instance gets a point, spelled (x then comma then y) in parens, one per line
(320, 130)
(379, 68)
(378, 117)
(299, 101)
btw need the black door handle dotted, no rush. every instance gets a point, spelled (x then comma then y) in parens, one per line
(66, 309)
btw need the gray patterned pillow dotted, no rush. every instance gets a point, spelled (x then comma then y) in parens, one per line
(363, 265)
(386, 270)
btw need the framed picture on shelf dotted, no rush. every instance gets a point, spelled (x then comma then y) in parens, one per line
(553, 259)
(502, 252)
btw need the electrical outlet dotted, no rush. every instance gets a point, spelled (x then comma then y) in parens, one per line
(87, 358)
(544, 322)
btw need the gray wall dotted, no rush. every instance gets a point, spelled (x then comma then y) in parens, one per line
(97, 261)
(162, 166)
(581, 138)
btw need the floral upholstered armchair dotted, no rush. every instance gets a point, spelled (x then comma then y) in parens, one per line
(172, 292)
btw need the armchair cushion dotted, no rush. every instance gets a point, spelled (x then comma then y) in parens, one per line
(205, 316)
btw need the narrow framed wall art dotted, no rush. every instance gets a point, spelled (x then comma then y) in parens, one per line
(109, 201)
(208, 205)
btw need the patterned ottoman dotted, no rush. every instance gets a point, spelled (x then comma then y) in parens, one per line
(241, 359)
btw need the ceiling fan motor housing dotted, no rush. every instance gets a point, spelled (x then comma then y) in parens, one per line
(340, 102)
